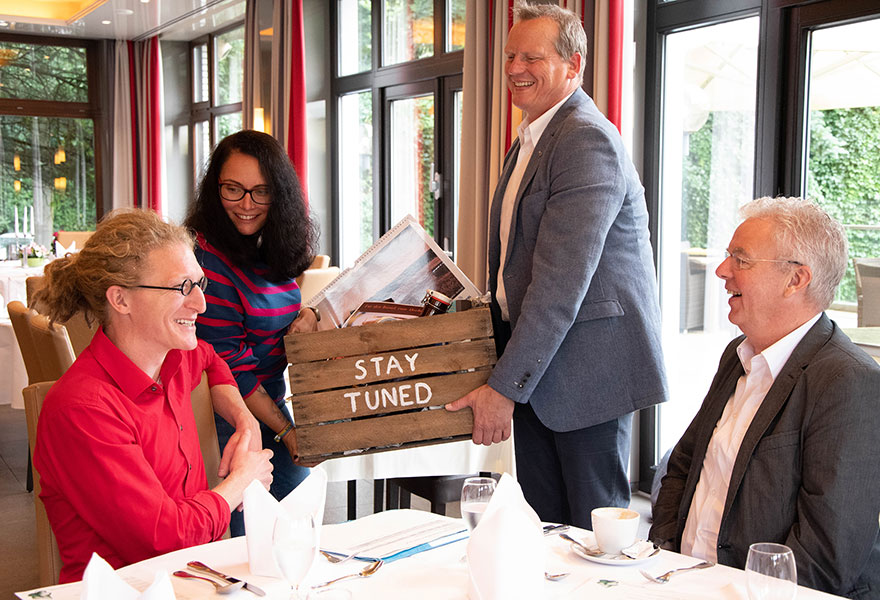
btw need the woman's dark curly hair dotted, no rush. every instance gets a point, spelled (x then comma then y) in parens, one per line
(288, 239)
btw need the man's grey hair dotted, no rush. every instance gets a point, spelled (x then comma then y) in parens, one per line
(571, 39)
(807, 234)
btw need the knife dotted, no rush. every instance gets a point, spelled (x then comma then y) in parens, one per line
(203, 568)
(553, 529)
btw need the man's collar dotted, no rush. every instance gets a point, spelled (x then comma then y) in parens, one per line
(127, 375)
(778, 353)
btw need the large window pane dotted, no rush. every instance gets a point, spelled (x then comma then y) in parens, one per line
(455, 25)
(201, 84)
(843, 169)
(201, 147)
(412, 160)
(707, 159)
(456, 178)
(355, 36)
(227, 124)
(355, 175)
(47, 172)
(409, 30)
(229, 53)
(43, 72)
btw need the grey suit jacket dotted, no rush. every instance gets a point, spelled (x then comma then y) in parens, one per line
(579, 275)
(808, 471)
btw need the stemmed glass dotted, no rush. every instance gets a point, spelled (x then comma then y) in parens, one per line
(294, 546)
(475, 495)
(771, 573)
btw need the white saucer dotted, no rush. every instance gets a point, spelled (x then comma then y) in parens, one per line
(618, 560)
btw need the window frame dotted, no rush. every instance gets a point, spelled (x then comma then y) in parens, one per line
(91, 109)
(443, 70)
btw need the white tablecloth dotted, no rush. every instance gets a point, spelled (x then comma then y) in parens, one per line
(440, 574)
(12, 287)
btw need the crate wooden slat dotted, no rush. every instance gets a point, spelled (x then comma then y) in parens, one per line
(382, 386)
(410, 362)
(384, 337)
(407, 429)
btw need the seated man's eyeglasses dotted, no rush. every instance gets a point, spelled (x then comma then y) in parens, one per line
(232, 192)
(184, 288)
(742, 262)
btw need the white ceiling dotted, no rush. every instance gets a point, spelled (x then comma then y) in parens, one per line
(122, 19)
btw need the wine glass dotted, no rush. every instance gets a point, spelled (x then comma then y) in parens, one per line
(771, 573)
(475, 495)
(294, 546)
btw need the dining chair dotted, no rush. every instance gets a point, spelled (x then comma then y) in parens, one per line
(313, 281)
(66, 238)
(18, 315)
(439, 490)
(868, 291)
(52, 345)
(47, 546)
(203, 410)
(79, 330)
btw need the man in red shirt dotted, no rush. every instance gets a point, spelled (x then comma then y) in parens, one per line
(117, 448)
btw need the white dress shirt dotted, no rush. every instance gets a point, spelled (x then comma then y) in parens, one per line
(700, 538)
(529, 133)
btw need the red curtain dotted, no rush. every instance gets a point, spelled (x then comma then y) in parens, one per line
(297, 147)
(145, 74)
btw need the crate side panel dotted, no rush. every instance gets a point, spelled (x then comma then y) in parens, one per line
(309, 409)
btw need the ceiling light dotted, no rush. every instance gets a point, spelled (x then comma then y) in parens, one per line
(106, 22)
(124, 11)
(145, 1)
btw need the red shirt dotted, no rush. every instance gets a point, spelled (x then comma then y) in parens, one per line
(119, 459)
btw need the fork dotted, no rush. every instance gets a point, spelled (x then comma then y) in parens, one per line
(337, 559)
(665, 577)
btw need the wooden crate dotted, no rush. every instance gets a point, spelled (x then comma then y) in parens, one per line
(382, 386)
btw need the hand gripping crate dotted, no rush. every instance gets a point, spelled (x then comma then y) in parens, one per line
(383, 386)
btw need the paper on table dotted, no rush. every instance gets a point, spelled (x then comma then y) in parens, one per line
(391, 535)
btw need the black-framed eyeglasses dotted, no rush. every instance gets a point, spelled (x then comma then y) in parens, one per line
(184, 288)
(743, 263)
(232, 192)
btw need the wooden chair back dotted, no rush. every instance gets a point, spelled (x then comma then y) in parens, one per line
(19, 315)
(47, 546)
(52, 345)
(66, 238)
(868, 291)
(203, 410)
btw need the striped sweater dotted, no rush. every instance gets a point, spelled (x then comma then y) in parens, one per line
(246, 319)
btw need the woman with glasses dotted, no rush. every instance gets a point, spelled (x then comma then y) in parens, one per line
(254, 237)
(117, 448)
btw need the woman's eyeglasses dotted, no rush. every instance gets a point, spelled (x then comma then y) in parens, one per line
(232, 192)
(184, 288)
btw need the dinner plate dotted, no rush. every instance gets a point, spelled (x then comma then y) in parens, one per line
(619, 560)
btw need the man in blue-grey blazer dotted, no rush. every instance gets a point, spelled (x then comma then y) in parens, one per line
(574, 295)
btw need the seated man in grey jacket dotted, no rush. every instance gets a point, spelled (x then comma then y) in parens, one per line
(786, 446)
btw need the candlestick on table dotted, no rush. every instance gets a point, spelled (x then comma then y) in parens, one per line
(24, 227)
(16, 221)
(32, 221)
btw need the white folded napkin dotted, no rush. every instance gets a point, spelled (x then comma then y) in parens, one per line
(101, 582)
(61, 250)
(506, 551)
(261, 510)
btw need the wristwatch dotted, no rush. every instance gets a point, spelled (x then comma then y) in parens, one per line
(317, 314)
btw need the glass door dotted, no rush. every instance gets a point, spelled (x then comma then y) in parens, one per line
(843, 131)
(707, 157)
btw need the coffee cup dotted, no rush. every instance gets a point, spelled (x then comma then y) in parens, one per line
(614, 528)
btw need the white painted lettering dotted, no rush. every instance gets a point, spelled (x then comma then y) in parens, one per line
(421, 385)
(353, 397)
(375, 403)
(376, 360)
(404, 394)
(411, 360)
(359, 365)
(389, 395)
(393, 363)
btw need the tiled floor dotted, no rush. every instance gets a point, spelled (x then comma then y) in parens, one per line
(18, 553)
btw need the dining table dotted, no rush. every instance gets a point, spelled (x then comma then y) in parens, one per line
(13, 277)
(440, 573)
